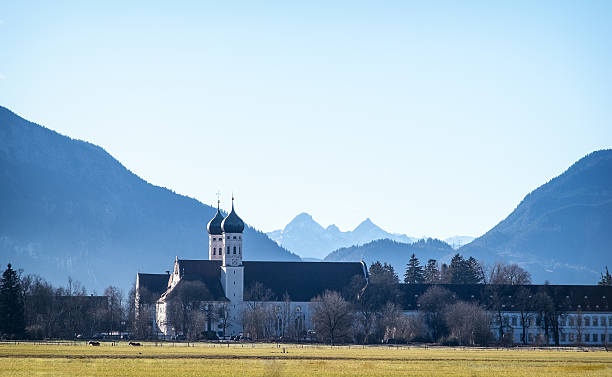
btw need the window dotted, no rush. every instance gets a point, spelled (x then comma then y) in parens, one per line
(228, 249)
(587, 321)
(587, 338)
(228, 237)
(214, 250)
(571, 337)
(563, 337)
(234, 249)
(530, 338)
(571, 321)
(298, 309)
(609, 321)
(609, 337)
(595, 320)
(603, 320)
(563, 321)
(239, 249)
(234, 237)
(514, 321)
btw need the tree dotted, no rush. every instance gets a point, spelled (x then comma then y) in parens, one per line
(383, 274)
(462, 271)
(524, 304)
(12, 318)
(332, 317)
(414, 272)
(433, 304)
(258, 315)
(186, 310)
(468, 323)
(606, 279)
(431, 274)
(115, 308)
(224, 316)
(509, 274)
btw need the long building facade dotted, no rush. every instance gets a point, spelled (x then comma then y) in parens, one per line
(582, 313)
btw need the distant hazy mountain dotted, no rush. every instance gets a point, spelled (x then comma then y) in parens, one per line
(395, 253)
(458, 241)
(561, 231)
(304, 236)
(67, 207)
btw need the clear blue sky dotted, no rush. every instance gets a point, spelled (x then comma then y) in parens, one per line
(431, 118)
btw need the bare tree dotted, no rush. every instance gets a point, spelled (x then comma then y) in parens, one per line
(332, 317)
(432, 304)
(509, 274)
(525, 306)
(224, 316)
(468, 323)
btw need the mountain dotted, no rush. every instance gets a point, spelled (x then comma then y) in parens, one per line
(304, 236)
(458, 241)
(395, 253)
(562, 231)
(68, 208)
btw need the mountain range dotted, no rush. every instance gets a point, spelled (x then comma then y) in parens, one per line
(307, 238)
(68, 208)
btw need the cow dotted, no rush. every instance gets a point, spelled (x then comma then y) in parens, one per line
(92, 343)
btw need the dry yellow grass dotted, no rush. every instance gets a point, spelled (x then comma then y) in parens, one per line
(270, 360)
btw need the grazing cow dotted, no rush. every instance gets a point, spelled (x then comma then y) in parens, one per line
(134, 344)
(92, 343)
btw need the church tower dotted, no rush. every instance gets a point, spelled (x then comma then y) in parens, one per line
(215, 236)
(232, 270)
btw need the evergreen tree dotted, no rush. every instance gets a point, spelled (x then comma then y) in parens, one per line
(12, 319)
(606, 279)
(465, 271)
(414, 271)
(431, 275)
(383, 274)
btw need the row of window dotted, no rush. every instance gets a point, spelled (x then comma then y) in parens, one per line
(571, 321)
(228, 237)
(228, 250)
(587, 338)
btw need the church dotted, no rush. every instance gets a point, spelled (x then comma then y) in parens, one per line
(227, 287)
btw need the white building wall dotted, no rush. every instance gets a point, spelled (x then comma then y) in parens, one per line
(595, 328)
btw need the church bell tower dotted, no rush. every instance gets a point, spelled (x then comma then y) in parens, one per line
(215, 236)
(232, 270)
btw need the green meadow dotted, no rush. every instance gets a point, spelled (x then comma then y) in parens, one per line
(70, 359)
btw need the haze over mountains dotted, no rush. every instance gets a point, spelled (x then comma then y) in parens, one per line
(68, 208)
(562, 231)
(307, 238)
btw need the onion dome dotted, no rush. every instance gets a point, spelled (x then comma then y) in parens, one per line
(232, 223)
(214, 225)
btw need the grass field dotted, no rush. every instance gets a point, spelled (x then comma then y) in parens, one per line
(292, 360)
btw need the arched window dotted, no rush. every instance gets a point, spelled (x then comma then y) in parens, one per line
(228, 249)
(214, 250)
(234, 249)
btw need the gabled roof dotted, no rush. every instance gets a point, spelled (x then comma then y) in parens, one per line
(207, 272)
(156, 284)
(569, 298)
(301, 280)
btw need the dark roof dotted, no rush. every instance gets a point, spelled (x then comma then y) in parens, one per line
(205, 271)
(154, 283)
(301, 280)
(214, 225)
(588, 298)
(232, 223)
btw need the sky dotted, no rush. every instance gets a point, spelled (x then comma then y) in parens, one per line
(431, 118)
